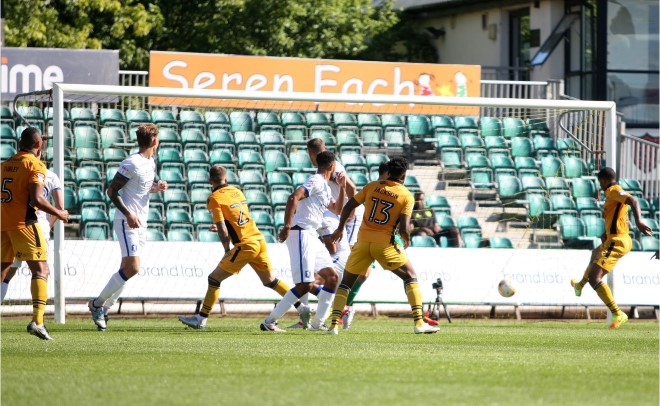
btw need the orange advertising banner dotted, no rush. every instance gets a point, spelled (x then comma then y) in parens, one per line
(256, 73)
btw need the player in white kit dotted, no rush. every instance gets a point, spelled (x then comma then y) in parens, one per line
(52, 189)
(308, 256)
(135, 178)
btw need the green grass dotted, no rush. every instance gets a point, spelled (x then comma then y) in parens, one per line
(379, 362)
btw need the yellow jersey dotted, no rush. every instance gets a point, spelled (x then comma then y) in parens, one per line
(384, 202)
(616, 211)
(17, 173)
(227, 203)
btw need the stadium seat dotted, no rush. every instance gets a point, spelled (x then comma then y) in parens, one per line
(557, 185)
(272, 140)
(468, 223)
(649, 243)
(196, 158)
(114, 156)
(250, 159)
(300, 160)
(392, 120)
(423, 241)
(197, 177)
(318, 121)
(164, 118)
(199, 196)
(568, 147)
(581, 187)
(70, 200)
(499, 162)
(575, 167)
(89, 157)
(240, 121)
(176, 199)
(87, 176)
(509, 189)
(169, 138)
(521, 147)
(202, 218)
(155, 235)
(477, 160)
(178, 218)
(7, 117)
(174, 178)
(264, 220)
(7, 151)
(223, 157)
(496, 144)
(418, 126)
(86, 137)
(345, 121)
(348, 141)
(180, 235)
(360, 179)
(275, 160)
(279, 198)
(538, 127)
(279, 181)
(447, 140)
(83, 116)
(465, 124)
(191, 119)
(91, 196)
(112, 137)
(631, 186)
(194, 138)
(544, 146)
(481, 178)
(551, 166)
(217, 120)
(269, 121)
(526, 166)
(514, 127)
(412, 184)
(170, 157)
(539, 210)
(435, 202)
(564, 205)
(587, 205)
(220, 138)
(258, 200)
(154, 218)
(472, 239)
(293, 120)
(135, 117)
(232, 178)
(95, 231)
(570, 228)
(533, 184)
(298, 178)
(252, 179)
(94, 215)
(451, 157)
(247, 140)
(112, 118)
(394, 138)
(371, 138)
(207, 236)
(594, 226)
(328, 139)
(442, 124)
(8, 135)
(472, 142)
(500, 242)
(490, 127)
(354, 162)
(374, 160)
(368, 120)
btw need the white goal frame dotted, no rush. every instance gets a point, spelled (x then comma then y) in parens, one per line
(59, 89)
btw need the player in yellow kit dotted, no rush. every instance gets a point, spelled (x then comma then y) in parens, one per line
(232, 218)
(616, 242)
(388, 204)
(23, 177)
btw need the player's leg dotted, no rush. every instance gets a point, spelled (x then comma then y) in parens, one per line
(325, 267)
(7, 253)
(613, 249)
(7, 277)
(579, 285)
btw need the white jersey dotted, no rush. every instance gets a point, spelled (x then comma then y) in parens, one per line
(328, 226)
(140, 173)
(353, 225)
(309, 214)
(334, 187)
(51, 184)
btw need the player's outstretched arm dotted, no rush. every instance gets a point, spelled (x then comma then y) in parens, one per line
(291, 206)
(38, 200)
(637, 213)
(345, 214)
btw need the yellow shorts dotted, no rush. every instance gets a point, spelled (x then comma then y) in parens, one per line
(252, 252)
(389, 256)
(25, 244)
(613, 249)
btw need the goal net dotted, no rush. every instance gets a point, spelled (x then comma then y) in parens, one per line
(510, 175)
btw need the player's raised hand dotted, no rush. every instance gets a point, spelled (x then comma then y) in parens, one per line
(644, 228)
(341, 179)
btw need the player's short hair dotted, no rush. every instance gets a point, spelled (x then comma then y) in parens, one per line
(382, 168)
(607, 173)
(146, 134)
(315, 145)
(397, 167)
(30, 137)
(217, 173)
(325, 159)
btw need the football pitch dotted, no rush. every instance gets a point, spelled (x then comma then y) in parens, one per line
(378, 362)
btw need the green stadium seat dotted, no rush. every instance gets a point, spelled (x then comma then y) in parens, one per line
(197, 177)
(154, 218)
(371, 138)
(538, 126)
(374, 160)
(575, 167)
(345, 121)
(7, 151)
(191, 119)
(96, 231)
(258, 200)
(564, 205)
(551, 166)
(70, 200)
(360, 179)
(112, 118)
(500, 243)
(300, 160)
(514, 127)
(495, 144)
(472, 239)
(412, 184)
(94, 216)
(587, 205)
(631, 186)
(423, 241)
(394, 138)
(328, 139)
(232, 178)
(568, 147)
(8, 135)
(174, 177)
(252, 179)
(217, 120)
(249, 159)
(293, 120)
(348, 141)
(581, 187)
(169, 157)
(443, 124)
(180, 235)
(490, 127)
(481, 178)
(500, 162)
(543, 146)
(89, 157)
(539, 210)
(570, 228)
(392, 120)
(279, 181)
(318, 121)
(196, 158)
(114, 155)
(207, 236)
(155, 235)
(164, 119)
(465, 124)
(199, 196)
(275, 160)
(269, 121)
(644, 207)
(354, 162)
(223, 157)
(194, 138)
(477, 160)
(247, 140)
(509, 189)
(174, 199)
(447, 140)
(178, 218)
(594, 226)
(368, 120)
(7, 117)
(472, 142)
(86, 137)
(533, 184)
(202, 218)
(89, 176)
(278, 199)
(112, 137)
(521, 147)
(135, 117)
(526, 166)
(220, 138)
(451, 157)
(299, 178)
(468, 223)
(272, 140)
(169, 138)
(264, 220)
(649, 243)
(91, 196)
(419, 127)
(83, 116)
(241, 121)
(296, 139)
(557, 185)
(434, 201)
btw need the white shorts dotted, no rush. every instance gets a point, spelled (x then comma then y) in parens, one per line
(352, 227)
(339, 262)
(307, 254)
(131, 240)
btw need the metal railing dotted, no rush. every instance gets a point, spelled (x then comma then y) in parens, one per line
(638, 159)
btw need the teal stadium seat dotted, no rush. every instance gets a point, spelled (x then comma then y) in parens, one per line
(216, 120)
(269, 121)
(443, 124)
(423, 241)
(112, 118)
(180, 235)
(279, 181)
(155, 235)
(500, 242)
(345, 121)
(514, 127)
(207, 236)
(223, 157)
(191, 119)
(241, 121)
(490, 127)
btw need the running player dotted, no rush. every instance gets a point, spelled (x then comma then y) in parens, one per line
(23, 177)
(302, 218)
(135, 179)
(387, 204)
(232, 218)
(616, 242)
(52, 188)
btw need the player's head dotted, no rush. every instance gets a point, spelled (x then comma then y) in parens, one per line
(397, 168)
(217, 175)
(420, 200)
(325, 161)
(606, 177)
(314, 147)
(383, 174)
(31, 140)
(147, 135)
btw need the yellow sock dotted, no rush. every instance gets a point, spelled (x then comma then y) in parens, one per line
(585, 278)
(279, 286)
(415, 300)
(338, 305)
(605, 294)
(212, 295)
(39, 290)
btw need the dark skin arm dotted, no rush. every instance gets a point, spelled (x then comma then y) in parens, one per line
(637, 213)
(38, 200)
(345, 215)
(58, 201)
(404, 229)
(117, 183)
(223, 234)
(291, 206)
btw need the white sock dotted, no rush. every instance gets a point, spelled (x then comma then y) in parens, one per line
(305, 299)
(282, 307)
(324, 307)
(112, 300)
(115, 283)
(5, 288)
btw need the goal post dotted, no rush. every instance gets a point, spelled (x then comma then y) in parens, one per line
(356, 103)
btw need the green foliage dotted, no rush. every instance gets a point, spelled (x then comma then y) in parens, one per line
(378, 362)
(294, 28)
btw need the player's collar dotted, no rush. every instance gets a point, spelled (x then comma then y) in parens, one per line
(219, 187)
